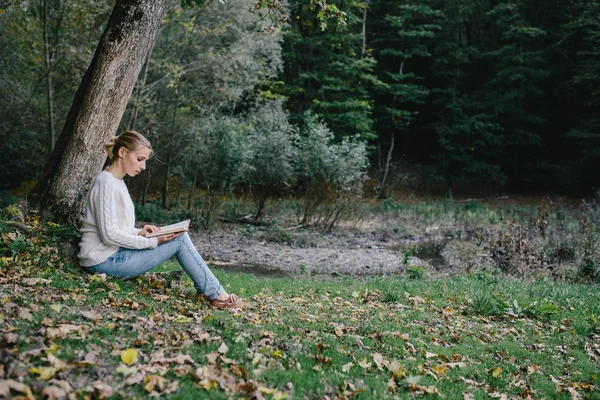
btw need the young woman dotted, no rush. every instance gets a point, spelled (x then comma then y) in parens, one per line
(112, 245)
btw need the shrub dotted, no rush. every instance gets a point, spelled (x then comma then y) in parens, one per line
(589, 250)
(272, 153)
(328, 173)
(223, 154)
(416, 272)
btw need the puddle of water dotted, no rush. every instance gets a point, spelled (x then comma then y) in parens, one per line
(257, 270)
(430, 251)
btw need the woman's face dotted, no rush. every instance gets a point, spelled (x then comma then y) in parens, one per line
(134, 162)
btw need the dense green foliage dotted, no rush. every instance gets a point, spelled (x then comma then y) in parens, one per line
(498, 94)
(492, 93)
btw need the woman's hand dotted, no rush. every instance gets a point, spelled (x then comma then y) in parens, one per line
(168, 237)
(148, 229)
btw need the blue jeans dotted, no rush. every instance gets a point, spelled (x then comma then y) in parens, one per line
(129, 263)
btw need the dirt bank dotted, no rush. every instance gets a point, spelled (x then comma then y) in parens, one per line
(343, 252)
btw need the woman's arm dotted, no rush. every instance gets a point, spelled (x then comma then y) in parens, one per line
(106, 219)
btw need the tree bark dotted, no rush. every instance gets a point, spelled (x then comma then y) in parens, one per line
(382, 186)
(49, 90)
(165, 188)
(140, 89)
(97, 109)
(364, 28)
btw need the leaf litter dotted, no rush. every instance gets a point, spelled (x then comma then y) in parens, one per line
(151, 337)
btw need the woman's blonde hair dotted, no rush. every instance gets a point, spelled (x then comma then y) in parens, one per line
(130, 140)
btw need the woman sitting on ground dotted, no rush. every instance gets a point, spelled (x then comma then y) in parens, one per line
(112, 245)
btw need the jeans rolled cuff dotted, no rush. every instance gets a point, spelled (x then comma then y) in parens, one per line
(213, 296)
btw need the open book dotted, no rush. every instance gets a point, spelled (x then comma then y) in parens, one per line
(174, 228)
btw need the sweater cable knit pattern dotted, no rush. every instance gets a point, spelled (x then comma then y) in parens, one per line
(109, 222)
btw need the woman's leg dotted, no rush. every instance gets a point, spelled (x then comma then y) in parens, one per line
(193, 264)
(128, 263)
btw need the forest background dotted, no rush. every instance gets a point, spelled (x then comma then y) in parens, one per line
(502, 96)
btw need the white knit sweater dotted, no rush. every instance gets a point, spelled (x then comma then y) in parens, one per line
(109, 222)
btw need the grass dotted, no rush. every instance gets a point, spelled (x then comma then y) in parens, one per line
(301, 338)
(66, 333)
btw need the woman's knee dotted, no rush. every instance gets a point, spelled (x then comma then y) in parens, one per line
(183, 239)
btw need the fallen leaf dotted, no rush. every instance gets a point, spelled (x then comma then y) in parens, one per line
(214, 356)
(447, 312)
(364, 363)
(470, 382)
(532, 368)
(7, 385)
(574, 394)
(392, 385)
(56, 363)
(182, 358)
(35, 281)
(44, 373)
(280, 395)
(277, 353)
(92, 315)
(125, 370)
(346, 367)
(10, 338)
(423, 389)
(378, 358)
(53, 393)
(497, 372)
(223, 349)
(152, 381)
(439, 369)
(182, 319)
(129, 356)
(25, 314)
(104, 390)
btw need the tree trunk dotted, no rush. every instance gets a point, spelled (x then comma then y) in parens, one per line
(388, 162)
(140, 89)
(147, 186)
(364, 28)
(49, 91)
(97, 110)
(382, 189)
(165, 189)
(191, 197)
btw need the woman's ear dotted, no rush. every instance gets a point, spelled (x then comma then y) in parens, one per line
(122, 152)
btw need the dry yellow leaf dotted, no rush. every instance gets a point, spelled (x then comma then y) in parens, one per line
(497, 372)
(277, 354)
(129, 356)
(45, 373)
(440, 369)
(152, 381)
(280, 395)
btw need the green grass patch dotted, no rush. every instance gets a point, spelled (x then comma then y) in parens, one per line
(300, 338)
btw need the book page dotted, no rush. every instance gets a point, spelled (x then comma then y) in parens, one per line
(173, 228)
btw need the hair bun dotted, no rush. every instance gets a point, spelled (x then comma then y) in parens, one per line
(110, 146)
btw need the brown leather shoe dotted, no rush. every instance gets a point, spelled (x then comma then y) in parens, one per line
(232, 302)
